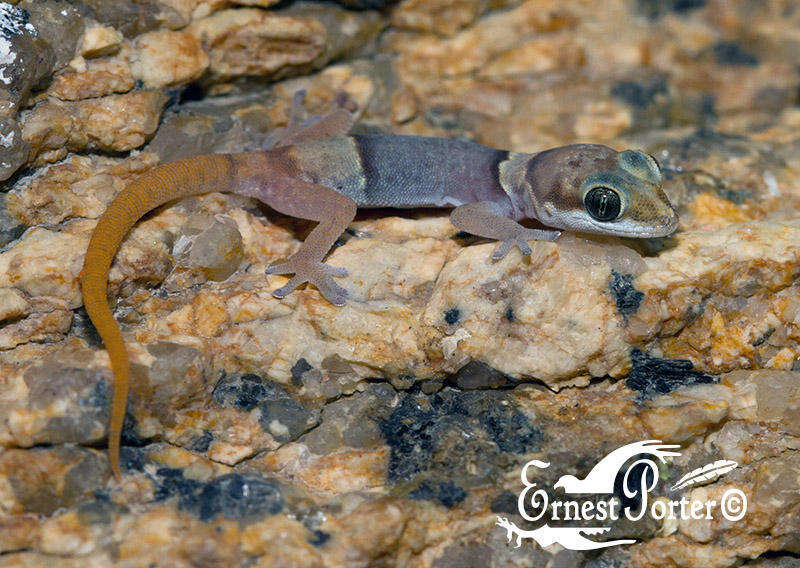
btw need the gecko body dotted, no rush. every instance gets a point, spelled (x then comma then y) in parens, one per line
(317, 172)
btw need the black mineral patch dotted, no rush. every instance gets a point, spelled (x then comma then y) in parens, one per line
(627, 297)
(242, 391)
(409, 433)
(421, 430)
(445, 492)
(249, 391)
(731, 53)
(299, 369)
(233, 496)
(764, 337)
(130, 434)
(202, 442)
(652, 376)
(506, 502)
(240, 497)
(640, 94)
(445, 118)
(131, 458)
(366, 4)
(99, 397)
(705, 141)
(318, 537)
(657, 8)
(511, 431)
(83, 327)
(509, 314)
(452, 316)
(172, 482)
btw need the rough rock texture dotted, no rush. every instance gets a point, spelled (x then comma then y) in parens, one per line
(391, 432)
(252, 42)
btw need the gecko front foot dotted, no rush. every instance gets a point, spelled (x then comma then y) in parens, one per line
(519, 239)
(317, 273)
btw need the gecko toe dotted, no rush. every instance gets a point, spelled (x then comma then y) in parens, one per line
(282, 268)
(331, 291)
(505, 247)
(287, 288)
(337, 297)
(502, 250)
(337, 271)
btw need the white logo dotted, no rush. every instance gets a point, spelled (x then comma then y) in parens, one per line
(534, 503)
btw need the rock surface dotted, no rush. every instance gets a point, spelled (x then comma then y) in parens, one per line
(392, 431)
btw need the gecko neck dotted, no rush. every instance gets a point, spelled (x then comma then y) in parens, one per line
(512, 179)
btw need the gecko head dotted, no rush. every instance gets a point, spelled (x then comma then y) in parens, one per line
(595, 189)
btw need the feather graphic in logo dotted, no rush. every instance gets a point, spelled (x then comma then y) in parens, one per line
(708, 472)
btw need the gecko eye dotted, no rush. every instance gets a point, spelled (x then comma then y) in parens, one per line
(602, 203)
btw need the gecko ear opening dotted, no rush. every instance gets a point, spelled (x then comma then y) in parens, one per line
(641, 165)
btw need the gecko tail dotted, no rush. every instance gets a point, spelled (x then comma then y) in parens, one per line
(201, 174)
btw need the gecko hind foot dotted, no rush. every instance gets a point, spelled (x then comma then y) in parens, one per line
(317, 273)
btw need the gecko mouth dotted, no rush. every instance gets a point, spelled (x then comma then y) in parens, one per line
(664, 227)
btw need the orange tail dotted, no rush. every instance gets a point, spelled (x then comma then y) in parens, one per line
(202, 174)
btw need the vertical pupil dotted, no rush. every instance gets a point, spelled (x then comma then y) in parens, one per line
(603, 204)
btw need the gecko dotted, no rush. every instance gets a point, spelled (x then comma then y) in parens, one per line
(316, 171)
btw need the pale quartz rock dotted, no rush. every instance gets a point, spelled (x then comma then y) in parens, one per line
(539, 55)
(112, 123)
(471, 48)
(12, 304)
(442, 16)
(688, 411)
(772, 396)
(546, 310)
(80, 186)
(189, 10)
(94, 78)
(262, 43)
(49, 320)
(257, 36)
(46, 263)
(99, 40)
(165, 58)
